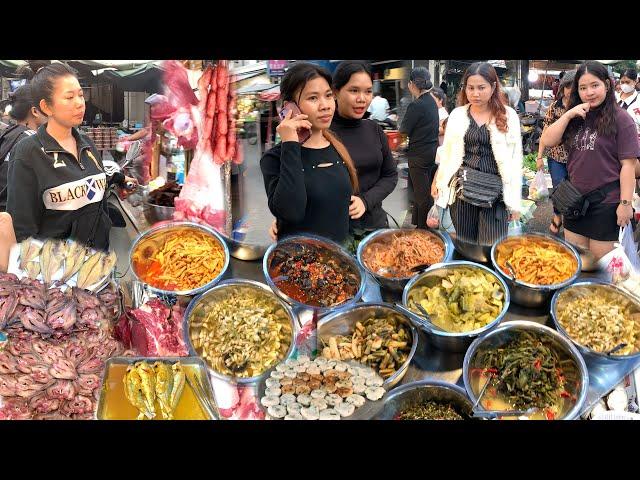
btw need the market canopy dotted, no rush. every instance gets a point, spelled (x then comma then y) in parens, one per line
(254, 89)
(145, 78)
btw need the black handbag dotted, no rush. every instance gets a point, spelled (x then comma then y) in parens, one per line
(477, 188)
(572, 204)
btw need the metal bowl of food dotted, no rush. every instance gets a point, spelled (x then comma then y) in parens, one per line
(564, 267)
(414, 399)
(544, 345)
(387, 319)
(598, 317)
(472, 251)
(475, 312)
(313, 273)
(244, 250)
(179, 258)
(227, 325)
(156, 213)
(403, 250)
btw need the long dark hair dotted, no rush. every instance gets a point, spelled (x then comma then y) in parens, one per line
(496, 104)
(43, 82)
(605, 113)
(291, 87)
(346, 69)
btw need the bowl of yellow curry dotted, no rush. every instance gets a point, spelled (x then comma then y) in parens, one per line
(534, 266)
(179, 258)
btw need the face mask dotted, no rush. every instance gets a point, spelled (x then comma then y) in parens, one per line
(626, 88)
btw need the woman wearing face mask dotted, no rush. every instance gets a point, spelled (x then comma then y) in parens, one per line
(28, 118)
(602, 144)
(56, 178)
(629, 97)
(366, 143)
(309, 186)
(421, 123)
(483, 135)
(557, 156)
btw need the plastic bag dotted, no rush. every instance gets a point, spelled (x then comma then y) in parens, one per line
(617, 263)
(630, 247)
(515, 228)
(538, 189)
(433, 217)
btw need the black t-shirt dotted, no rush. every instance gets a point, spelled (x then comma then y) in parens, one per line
(377, 169)
(305, 197)
(421, 123)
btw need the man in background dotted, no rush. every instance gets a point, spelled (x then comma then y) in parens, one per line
(379, 108)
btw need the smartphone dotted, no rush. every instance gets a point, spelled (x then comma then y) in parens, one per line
(303, 133)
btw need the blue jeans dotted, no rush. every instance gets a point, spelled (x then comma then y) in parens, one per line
(558, 173)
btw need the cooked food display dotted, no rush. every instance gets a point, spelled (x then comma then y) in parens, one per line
(242, 333)
(537, 261)
(429, 411)
(321, 389)
(382, 343)
(58, 261)
(165, 195)
(463, 300)
(396, 254)
(178, 259)
(524, 373)
(600, 318)
(145, 384)
(313, 275)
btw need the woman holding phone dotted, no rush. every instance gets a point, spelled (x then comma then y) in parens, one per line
(309, 178)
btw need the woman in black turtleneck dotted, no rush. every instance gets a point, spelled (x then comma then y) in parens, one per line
(367, 145)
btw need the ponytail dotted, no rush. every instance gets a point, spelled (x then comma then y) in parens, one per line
(346, 158)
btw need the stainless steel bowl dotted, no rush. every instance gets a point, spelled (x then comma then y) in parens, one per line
(397, 284)
(471, 251)
(244, 250)
(575, 371)
(156, 213)
(335, 249)
(219, 292)
(161, 230)
(453, 341)
(528, 294)
(592, 287)
(423, 391)
(343, 321)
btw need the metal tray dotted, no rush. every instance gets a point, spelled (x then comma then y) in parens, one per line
(187, 361)
(367, 412)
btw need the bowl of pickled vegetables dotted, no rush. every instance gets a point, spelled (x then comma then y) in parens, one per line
(529, 368)
(534, 266)
(462, 299)
(602, 320)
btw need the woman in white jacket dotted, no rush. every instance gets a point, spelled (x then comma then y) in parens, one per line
(484, 135)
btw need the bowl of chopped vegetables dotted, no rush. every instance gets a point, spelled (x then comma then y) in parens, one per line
(427, 400)
(463, 300)
(528, 367)
(602, 320)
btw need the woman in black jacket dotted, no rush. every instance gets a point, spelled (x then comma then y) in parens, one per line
(367, 144)
(309, 187)
(421, 124)
(57, 181)
(28, 118)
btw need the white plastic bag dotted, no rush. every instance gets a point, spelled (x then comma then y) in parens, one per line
(433, 217)
(630, 247)
(538, 188)
(515, 228)
(617, 262)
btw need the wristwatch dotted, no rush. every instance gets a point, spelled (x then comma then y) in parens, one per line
(625, 202)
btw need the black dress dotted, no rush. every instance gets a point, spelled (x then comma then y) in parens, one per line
(478, 225)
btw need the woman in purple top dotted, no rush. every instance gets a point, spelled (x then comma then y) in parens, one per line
(602, 147)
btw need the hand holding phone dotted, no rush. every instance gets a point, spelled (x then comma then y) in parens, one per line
(293, 124)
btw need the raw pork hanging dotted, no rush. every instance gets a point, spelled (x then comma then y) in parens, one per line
(202, 197)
